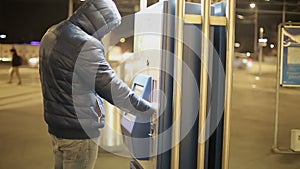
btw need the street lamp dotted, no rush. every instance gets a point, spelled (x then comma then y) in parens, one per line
(261, 45)
(253, 6)
(2, 36)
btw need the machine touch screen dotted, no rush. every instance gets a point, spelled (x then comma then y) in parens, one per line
(138, 89)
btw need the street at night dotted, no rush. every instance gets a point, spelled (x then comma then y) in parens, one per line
(25, 140)
(211, 84)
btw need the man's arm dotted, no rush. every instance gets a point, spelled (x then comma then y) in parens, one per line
(109, 86)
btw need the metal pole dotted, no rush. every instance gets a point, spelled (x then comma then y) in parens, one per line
(255, 30)
(70, 8)
(205, 12)
(143, 4)
(261, 34)
(179, 23)
(283, 11)
(279, 52)
(230, 15)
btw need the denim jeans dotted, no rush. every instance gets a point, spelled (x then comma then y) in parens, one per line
(74, 154)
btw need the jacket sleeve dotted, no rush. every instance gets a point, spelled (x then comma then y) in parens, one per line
(110, 87)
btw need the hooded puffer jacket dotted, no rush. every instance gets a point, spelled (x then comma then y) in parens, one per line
(75, 74)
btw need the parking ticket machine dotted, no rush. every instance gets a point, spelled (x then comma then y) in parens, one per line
(150, 144)
(136, 129)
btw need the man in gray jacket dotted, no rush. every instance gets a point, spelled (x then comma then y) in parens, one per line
(74, 77)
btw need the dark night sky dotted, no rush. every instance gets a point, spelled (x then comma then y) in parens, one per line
(269, 17)
(27, 20)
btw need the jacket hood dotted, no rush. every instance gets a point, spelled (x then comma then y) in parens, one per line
(97, 17)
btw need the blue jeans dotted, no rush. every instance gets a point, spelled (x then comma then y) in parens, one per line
(74, 154)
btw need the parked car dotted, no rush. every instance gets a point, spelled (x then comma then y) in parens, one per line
(242, 61)
(33, 62)
(5, 59)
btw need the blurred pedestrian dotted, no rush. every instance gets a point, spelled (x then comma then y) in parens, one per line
(75, 76)
(15, 64)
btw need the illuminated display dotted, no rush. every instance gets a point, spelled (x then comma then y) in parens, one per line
(138, 89)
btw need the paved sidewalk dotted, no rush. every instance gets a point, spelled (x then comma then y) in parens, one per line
(252, 120)
(25, 144)
(24, 140)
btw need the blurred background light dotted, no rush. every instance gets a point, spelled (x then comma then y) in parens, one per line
(252, 5)
(2, 36)
(122, 40)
